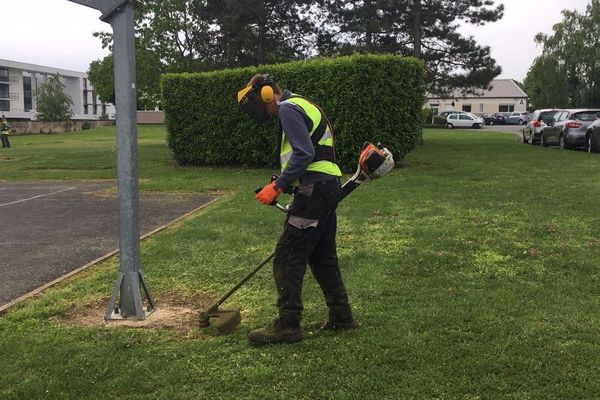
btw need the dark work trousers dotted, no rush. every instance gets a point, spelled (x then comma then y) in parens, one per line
(309, 238)
(5, 142)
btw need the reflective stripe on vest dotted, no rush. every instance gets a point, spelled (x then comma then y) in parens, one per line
(315, 115)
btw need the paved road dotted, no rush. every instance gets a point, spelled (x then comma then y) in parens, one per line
(50, 229)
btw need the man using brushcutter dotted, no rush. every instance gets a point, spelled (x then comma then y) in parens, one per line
(4, 132)
(307, 155)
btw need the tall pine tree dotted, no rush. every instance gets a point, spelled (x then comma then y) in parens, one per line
(426, 29)
(250, 32)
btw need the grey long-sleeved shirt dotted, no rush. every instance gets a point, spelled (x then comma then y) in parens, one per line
(297, 126)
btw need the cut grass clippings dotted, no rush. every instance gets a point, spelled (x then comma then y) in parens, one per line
(472, 269)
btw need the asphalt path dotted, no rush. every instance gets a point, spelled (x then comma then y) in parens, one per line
(48, 229)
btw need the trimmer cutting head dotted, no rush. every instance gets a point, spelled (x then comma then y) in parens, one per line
(225, 321)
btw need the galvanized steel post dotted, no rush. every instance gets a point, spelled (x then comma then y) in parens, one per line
(119, 13)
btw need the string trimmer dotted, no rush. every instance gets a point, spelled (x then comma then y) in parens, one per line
(373, 163)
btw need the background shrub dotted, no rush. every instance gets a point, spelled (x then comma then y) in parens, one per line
(439, 120)
(366, 97)
(430, 117)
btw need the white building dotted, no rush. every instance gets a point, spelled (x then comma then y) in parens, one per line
(505, 96)
(19, 81)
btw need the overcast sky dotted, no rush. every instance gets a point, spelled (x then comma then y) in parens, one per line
(58, 33)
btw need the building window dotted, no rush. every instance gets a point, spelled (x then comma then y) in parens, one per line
(506, 108)
(4, 97)
(435, 107)
(466, 107)
(27, 95)
(480, 107)
(3, 74)
(86, 97)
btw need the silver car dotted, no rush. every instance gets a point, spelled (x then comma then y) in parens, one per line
(593, 136)
(568, 128)
(516, 118)
(536, 122)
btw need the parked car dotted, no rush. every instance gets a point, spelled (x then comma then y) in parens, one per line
(494, 119)
(446, 113)
(517, 118)
(537, 121)
(593, 136)
(568, 128)
(464, 120)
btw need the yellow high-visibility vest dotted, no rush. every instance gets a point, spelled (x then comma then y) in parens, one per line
(324, 160)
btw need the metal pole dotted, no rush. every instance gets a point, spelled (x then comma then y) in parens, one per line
(127, 184)
(130, 280)
(131, 306)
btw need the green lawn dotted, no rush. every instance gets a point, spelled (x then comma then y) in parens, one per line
(91, 154)
(472, 269)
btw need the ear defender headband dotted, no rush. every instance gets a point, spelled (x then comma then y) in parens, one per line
(262, 89)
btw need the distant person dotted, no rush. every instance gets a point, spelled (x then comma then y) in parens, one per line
(4, 132)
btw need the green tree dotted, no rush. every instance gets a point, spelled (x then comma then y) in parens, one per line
(102, 77)
(567, 73)
(172, 31)
(52, 102)
(148, 70)
(251, 32)
(546, 84)
(191, 35)
(169, 38)
(426, 29)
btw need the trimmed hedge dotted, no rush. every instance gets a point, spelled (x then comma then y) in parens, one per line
(366, 97)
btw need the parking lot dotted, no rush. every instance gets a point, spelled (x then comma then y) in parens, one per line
(516, 129)
(52, 228)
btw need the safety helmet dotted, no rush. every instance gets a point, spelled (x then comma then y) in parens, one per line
(253, 99)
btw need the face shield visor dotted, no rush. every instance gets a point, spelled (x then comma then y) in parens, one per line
(250, 102)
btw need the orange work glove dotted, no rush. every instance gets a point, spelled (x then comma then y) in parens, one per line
(268, 194)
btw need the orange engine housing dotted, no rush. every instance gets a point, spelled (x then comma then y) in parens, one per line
(370, 158)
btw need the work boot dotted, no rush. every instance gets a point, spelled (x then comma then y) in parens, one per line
(339, 319)
(276, 332)
(337, 326)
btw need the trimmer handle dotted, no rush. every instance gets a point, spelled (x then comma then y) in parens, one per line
(348, 188)
(281, 207)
